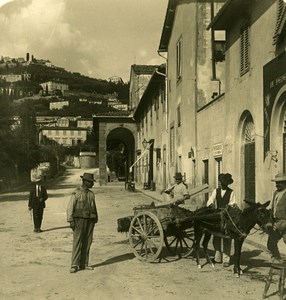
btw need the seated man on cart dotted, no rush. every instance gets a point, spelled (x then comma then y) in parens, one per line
(179, 192)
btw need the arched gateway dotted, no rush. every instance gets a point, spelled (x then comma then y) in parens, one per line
(110, 131)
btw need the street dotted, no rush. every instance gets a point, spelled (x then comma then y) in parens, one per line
(36, 265)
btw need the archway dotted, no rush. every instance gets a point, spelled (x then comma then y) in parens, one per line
(120, 145)
(278, 130)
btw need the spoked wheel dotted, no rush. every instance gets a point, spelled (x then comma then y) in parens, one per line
(146, 236)
(181, 243)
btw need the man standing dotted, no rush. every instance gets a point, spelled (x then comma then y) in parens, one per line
(82, 216)
(278, 207)
(180, 190)
(37, 198)
(220, 198)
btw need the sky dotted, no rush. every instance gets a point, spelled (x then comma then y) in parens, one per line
(97, 38)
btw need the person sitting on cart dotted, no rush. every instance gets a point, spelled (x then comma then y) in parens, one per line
(220, 199)
(179, 192)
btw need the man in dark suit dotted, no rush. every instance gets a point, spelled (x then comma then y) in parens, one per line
(37, 198)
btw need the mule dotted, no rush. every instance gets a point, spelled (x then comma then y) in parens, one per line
(229, 223)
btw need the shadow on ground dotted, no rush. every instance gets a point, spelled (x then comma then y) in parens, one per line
(56, 228)
(114, 260)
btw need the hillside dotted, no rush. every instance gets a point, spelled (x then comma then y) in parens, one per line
(76, 81)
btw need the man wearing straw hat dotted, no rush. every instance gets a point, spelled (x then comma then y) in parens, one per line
(278, 207)
(82, 216)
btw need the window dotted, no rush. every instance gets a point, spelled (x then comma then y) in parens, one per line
(219, 45)
(179, 115)
(244, 49)
(218, 169)
(179, 59)
(172, 145)
(206, 176)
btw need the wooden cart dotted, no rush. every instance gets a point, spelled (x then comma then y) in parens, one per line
(153, 226)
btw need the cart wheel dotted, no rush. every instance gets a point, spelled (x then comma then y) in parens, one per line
(146, 236)
(181, 243)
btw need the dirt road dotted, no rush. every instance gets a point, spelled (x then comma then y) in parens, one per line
(36, 265)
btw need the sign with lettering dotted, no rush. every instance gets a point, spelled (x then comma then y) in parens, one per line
(274, 77)
(217, 150)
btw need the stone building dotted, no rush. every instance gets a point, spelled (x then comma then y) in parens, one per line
(195, 79)
(151, 118)
(249, 122)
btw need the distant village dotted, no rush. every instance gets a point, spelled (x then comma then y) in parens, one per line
(65, 130)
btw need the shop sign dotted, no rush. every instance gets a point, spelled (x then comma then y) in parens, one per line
(217, 149)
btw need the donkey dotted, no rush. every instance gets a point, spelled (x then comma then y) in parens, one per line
(230, 223)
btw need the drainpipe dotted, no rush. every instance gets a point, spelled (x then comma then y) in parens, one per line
(213, 42)
(166, 89)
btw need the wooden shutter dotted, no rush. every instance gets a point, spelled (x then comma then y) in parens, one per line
(244, 49)
(280, 21)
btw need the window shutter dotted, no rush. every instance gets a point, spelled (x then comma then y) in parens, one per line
(281, 17)
(244, 49)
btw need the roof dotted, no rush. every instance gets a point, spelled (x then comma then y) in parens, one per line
(230, 11)
(168, 25)
(144, 69)
(157, 78)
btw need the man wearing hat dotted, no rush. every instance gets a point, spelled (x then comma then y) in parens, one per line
(180, 190)
(37, 198)
(82, 216)
(220, 198)
(278, 207)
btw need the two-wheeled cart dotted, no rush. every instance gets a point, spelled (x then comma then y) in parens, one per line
(153, 226)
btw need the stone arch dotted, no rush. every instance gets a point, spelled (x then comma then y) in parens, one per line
(277, 129)
(115, 128)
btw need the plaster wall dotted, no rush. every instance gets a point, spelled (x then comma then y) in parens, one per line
(245, 93)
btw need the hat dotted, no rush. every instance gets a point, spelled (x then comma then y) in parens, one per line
(88, 176)
(225, 178)
(178, 175)
(280, 177)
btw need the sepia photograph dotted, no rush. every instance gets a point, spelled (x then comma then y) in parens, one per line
(142, 149)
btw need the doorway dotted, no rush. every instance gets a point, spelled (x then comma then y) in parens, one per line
(249, 161)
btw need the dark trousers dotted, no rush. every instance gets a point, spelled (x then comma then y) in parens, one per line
(38, 217)
(82, 240)
(274, 237)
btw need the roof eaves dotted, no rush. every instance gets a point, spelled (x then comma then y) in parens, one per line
(219, 15)
(168, 25)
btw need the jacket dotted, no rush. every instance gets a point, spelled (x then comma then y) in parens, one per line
(37, 198)
(82, 205)
(280, 209)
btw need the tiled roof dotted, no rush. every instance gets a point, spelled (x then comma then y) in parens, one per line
(144, 69)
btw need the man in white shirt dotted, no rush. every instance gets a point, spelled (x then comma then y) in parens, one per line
(220, 198)
(278, 207)
(180, 191)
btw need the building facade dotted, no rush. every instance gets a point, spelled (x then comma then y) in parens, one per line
(225, 95)
(70, 136)
(254, 108)
(150, 168)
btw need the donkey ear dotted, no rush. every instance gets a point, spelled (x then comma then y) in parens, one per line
(266, 203)
(249, 202)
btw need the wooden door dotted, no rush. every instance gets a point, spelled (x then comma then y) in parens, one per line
(249, 171)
